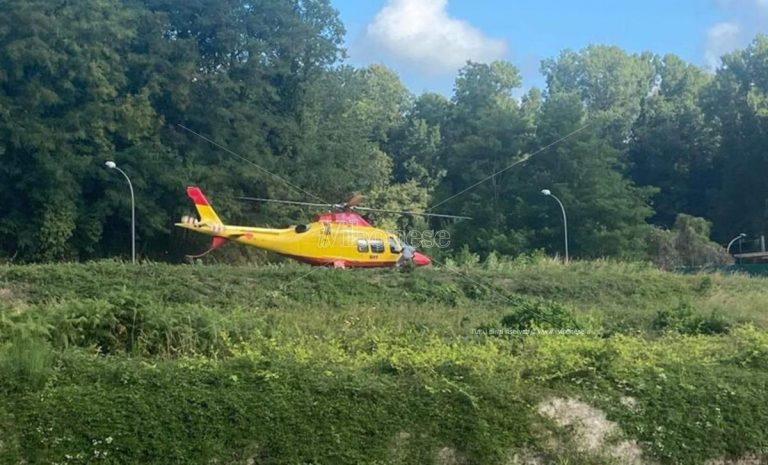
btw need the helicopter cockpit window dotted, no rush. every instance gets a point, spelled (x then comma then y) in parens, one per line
(362, 246)
(301, 228)
(394, 246)
(377, 246)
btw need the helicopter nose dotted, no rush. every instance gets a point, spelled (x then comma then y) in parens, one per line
(421, 260)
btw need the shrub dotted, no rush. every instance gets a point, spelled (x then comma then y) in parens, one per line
(752, 347)
(544, 314)
(687, 244)
(466, 259)
(683, 320)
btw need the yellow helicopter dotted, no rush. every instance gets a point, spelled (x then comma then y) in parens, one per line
(340, 237)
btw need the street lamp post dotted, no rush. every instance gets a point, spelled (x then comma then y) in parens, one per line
(549, 193)
(112, 165)
(737, 238)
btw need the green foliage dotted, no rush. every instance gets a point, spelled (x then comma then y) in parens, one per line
(734, 100)
(674, 143)
(687, 244)
(466, 258)
(607, 212)
(229, 364)
(25, 364)
(610, 82)
(534, 314)
(683, 320)
(136, 68)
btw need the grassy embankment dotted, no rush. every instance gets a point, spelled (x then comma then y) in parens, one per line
(113, 363)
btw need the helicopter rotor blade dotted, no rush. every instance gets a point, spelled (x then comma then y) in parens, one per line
(398, 212)
(288, 202)
(353, 204)
(355, 201)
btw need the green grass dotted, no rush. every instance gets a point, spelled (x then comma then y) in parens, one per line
(113, 363)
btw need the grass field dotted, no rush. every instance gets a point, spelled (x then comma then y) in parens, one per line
(503, 363)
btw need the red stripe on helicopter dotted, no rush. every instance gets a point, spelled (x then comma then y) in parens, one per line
(197, 196)
(419, 259)
(347, 263)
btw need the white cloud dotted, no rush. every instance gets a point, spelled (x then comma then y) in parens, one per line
(421, 34)
(722, 38)
(743, 3)
(749, 17)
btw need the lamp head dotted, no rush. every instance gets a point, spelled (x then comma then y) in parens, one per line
(742, 235)
(111, 165)
(546, 192)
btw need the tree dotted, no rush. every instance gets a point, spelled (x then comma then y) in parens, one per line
(736, 99)
(484, 134)
(83, 82)
(65, 102)
(607, 213)
(611, 83)
(674, 143)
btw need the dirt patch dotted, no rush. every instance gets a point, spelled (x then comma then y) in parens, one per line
(746, 460)
(450, 456)
(630, 403)
(627, 452)
(6, 294)
(590, 429)
(589, 425)
(525, 457)
(398, 446)
(11, 296)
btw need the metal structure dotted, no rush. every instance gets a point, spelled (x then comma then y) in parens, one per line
(113, 166)
(549, 193)
(737, 238)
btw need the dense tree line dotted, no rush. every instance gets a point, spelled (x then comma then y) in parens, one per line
(82, 82)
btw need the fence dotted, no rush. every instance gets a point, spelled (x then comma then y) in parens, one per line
(750, 269)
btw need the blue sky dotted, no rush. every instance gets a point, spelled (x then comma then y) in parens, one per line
(425, 41)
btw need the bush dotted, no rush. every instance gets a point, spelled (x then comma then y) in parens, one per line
(752, 347)
(543, 314)
(683, 320)
(687, 244)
